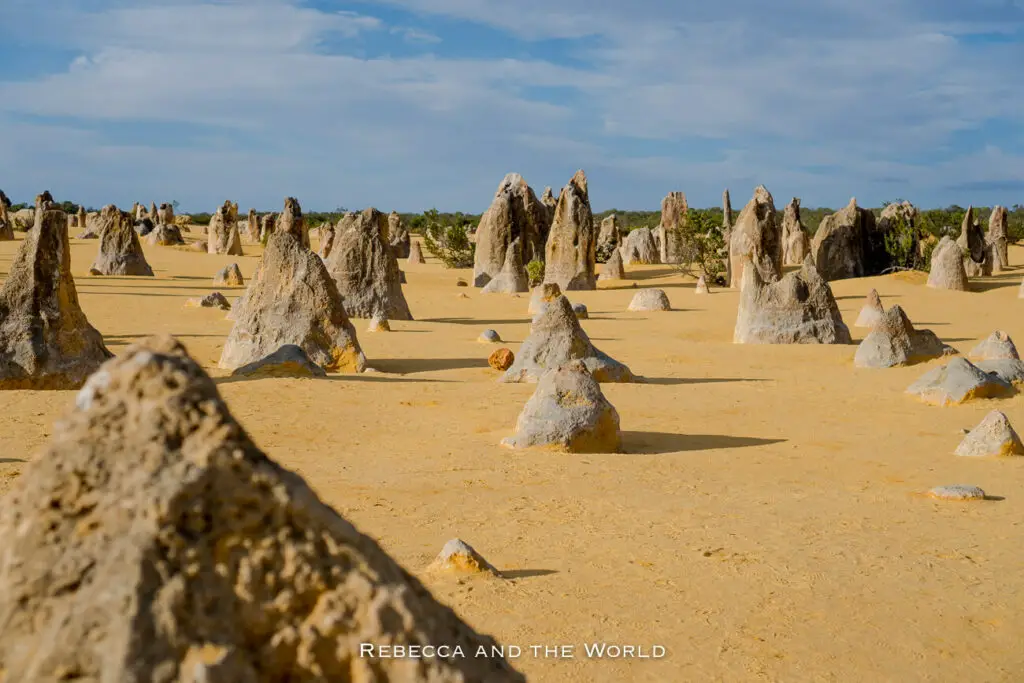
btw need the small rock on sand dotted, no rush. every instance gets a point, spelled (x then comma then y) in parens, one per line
(489, 337)
(991, 438)
(501, 359)
(288, 361)
(212, 300)
(650, 300)
(957, 492)
(458, 557)
(581, 311)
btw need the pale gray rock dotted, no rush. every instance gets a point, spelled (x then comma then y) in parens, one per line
(222, 233)
(1010, 370)
(288, 361)
(570, 254)
(650, 300)
(612, 269)
(512, 278)
(957, 492)
(489, 337)
(798, 309)
(893, 341)
(514, 213)
(993, 437)
(757, 237)
(947, 271)
(795, 243)
(541, 296)
(568, 413)
(557, 338)
(673, 247)
(639, 248)
(957, 382)
(119, 251)
(871, 312)
(997, 346)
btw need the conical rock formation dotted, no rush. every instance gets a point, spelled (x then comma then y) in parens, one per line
(120, 252)
(398, 236)
(871, 312)
(845, 244)
(46, 342)
(415, 254)
(798, 309)
(556, 338)
(893, 341)
(795, 243)
(458, 557)
(222, 233)
(153, 541)
(164, 234)
(609, 238)
(702, 286)
(229, 275)
(998, 238)
(957, 382)
(612, 269)
(288, 361)
(997, 346)
(514, 213)
(756, 237)
(673, 246)
(947, 271)
(366, 270)
(639, 247)
(292, 299)
(570, 255)
(543, 295)
(568, 413)
(512, 278)
(993, 437)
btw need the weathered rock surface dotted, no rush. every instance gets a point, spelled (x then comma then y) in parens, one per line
(378, 323)
(164, 234)
(6, 224)
(795, 243)
(222, 233)
(211, 300)
(957, 382)
(267, 225)
(458, 557)
(701, 286)
(120, 252)
(229, 275)
(570, 256)
(556, 338)
(513, 277)
(489, 337)
(366, 270)
(542, 295)
(650, 300)
(997, 346)
(612, 268)
(569, 413)
(292, 299)
(288, 361)
(871, 312)
(998, 238)
(1010, 370)
(846, 244)
(501, 359)
(639, 247)
(893, 341)
(958, 492)
(46, 342)
(252, 226)
(756, 237)
(947, 271)
(798, 309)
(152, 540)
(609, 238)
(581, 311)
(415, 254)
(22, 219)
(673, 245)
(972, 244)
(993, 437)
(398, 236)
(515, 213)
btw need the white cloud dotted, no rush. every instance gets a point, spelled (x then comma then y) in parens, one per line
(867, 87)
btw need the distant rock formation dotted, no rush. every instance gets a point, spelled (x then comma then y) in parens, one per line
(871, 312)
(612, 269)
(977, 261)
(222, 233)
(512, 278)
(639, 248)
(846, 244)
(947, 270)
(398, 236)
(119, 251)
(673, 218)
(795, 243)
(997, 238)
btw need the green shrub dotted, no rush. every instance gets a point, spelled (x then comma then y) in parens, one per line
(704, 250)
(902, 245)
(535, 271)
(447, 241)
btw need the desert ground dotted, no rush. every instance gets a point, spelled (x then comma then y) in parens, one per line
(766, 523)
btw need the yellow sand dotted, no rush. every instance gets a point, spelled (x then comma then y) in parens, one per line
(766, 523)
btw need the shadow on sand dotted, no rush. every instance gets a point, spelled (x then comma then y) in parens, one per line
(405, 366)
(654, 443)
(676, 381)
(526, 573)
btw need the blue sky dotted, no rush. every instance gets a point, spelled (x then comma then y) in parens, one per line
(412, 104)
